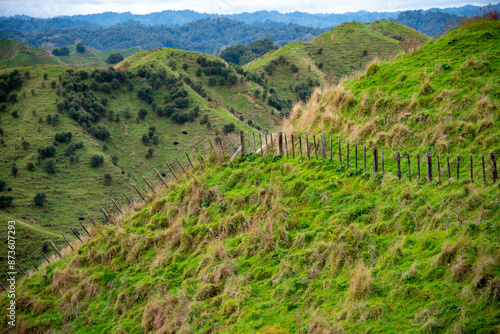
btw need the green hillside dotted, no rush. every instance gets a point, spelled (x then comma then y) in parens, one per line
(13, 54)
(331, 56)
(442, 98)
(102, 111)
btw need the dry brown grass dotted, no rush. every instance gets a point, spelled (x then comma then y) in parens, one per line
(411, 44)
(361, 281)
(461, 268)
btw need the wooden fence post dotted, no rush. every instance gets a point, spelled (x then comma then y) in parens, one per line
(471, 168)
(67, 241)
(418, 165)
(347, 154)
(439, 167)
(21, 269)
(248, 141)
(182, 167)
(494, 171)
(92, 221)
(137, 190)
(315, 146)
(364, 154)
(340, 152)
(55, 248)
(429, 167)
(331, 148)
(213, 148)
(242, 141)
(272, 144)
(280, 143)
(1, 285)
(448, 165)
(356, 155)
(323, 146)
(149, 184)
(375, 160)
(398, 157)
(171, 171)
(189, 160)
(105, 213)
(159, 176)
(75, 232)
(261, 148)
(300, 145)
(44, 256)
(484, 169)
(458, 167)
(307, 145)
(81, 224)
(116, 205)
(267, 144)
(254, 145)
(199, 154)
(293, 147)
(409, 166)
(33, 262)
(286, 145)
(128, 199)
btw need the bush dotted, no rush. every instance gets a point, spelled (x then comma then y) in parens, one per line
(5, 201)
(80, 48)
(107, 179)
(15, 114)
(150, 153)
(142, 113)
(14, 170)
(96, 160)
(100, 132)
(145, 139)
(63, 137)
(30, 165)
(114, 159)
(50, 166)
(114, 58)
(2, 185)
(228, 128)
(40, 199)
(47, 151)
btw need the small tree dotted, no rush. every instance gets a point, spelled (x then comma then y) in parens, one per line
(150, 153)
(107, 179)
(5, 201)
(96, 160)
(228, 128)
(114, 58)
(50, 166)
(14, 170)
(80, 48)
(40, 199)
(142, 113)
(2, 185)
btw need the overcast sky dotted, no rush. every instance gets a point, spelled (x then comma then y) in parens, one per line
(51, 8)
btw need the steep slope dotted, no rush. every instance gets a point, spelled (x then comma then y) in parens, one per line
(135, 120)
(296, 68)
(441, 98)
(274, 246)
(13, 54)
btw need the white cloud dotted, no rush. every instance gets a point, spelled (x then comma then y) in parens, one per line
(51, 8)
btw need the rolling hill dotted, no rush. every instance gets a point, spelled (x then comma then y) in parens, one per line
(330, 56)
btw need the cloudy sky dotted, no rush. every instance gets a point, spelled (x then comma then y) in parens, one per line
(51, 8)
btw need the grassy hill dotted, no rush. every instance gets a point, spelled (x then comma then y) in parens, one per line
(331, 56)
(443, 98)
(276, 246)
(101, 109)
(13, 54)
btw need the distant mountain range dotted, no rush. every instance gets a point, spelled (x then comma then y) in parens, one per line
(172, 18)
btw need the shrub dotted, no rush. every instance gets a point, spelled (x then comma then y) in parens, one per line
(15, 114)
(142, 113)
(107, 179)
(145, 139)
(47, 151)
(5, 201)
(40, 199)
(228, 128)
(30, 165)
(2, 185)
(14, 170)
(25, 144)
(114, 58)
(100, 132)
(63, 137)
(185, 66)
(50, 166)
(150, 153)
(96, 160)
(114, 159)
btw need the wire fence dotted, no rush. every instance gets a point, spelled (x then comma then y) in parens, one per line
(407, 166)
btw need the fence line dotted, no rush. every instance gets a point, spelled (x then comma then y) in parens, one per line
(226, 149)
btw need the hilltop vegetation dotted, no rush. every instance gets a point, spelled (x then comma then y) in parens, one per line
(121, 123)
(443, 97)
(295, 69)
(13, 54)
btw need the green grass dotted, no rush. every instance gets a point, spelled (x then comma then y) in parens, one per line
(282, 246)
(442, 99)
(342, 51)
